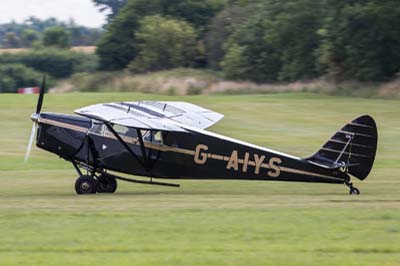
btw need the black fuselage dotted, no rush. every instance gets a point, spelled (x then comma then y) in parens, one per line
(175, 155)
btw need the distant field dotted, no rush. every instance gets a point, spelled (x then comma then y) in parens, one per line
(85, 49)
(43, 222)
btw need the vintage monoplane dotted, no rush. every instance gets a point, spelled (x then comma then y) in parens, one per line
(169, 140)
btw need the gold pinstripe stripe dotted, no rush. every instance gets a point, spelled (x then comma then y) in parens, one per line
(301, 172)
(61, 124)
(182, 151)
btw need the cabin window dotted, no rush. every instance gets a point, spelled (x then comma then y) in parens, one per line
(157, 137)
(125, 131)
(121, 129)
(152, 136)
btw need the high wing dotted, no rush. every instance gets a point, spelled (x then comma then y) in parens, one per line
(166, 116)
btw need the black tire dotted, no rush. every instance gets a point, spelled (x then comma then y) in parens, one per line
(106, 184)
(85, 185)
(354, 191)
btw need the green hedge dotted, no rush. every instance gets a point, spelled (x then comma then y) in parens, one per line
(58, 63)
(14, 76)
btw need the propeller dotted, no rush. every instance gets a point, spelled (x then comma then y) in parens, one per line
(35, 118)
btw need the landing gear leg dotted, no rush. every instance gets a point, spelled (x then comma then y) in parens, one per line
(353, 190)
(84, 184)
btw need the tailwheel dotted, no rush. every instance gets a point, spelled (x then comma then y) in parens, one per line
(353, 190)
(86, 184)
(106, 184)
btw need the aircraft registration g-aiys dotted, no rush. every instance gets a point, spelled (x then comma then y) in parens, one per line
(169, 140)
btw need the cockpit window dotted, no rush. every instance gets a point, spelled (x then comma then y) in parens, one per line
(97, 128)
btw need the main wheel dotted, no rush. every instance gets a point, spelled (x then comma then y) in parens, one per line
(106, 184)
(354, 191)
(86, 185)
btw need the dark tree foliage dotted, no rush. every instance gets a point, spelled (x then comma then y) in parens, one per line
(198, 13)
(11, 40)
(32, 29)
(56, 37)
(29, 37)
(119, 46)
(112, 7)
(300, 39)
(278, 43)
(249, 56)
(58, 63)
(41, 25)
(361, 39)
(83, 36)
(295, 34)
(14, 76)
(164, 43)
(221, 28)
(260, 40)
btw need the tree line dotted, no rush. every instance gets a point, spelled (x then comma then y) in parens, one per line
(34, 32)
(26, 69)
(50, 39)
(259, 40)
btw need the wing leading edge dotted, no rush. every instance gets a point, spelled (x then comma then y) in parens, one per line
(166, 116)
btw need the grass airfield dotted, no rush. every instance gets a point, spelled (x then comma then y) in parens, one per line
(43, 221)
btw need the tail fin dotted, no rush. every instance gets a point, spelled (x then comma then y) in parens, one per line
(351, 149)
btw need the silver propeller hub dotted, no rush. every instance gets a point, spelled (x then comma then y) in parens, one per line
(35, 117)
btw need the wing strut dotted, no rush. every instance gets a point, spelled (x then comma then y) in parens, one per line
(140, 137)
(134, 155)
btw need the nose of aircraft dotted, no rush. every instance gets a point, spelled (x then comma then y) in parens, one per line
(34, 117)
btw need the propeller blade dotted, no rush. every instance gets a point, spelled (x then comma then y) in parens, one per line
(28, 150)
(41, 95)
(35, 117)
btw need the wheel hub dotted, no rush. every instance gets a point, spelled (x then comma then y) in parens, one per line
(85, 186)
